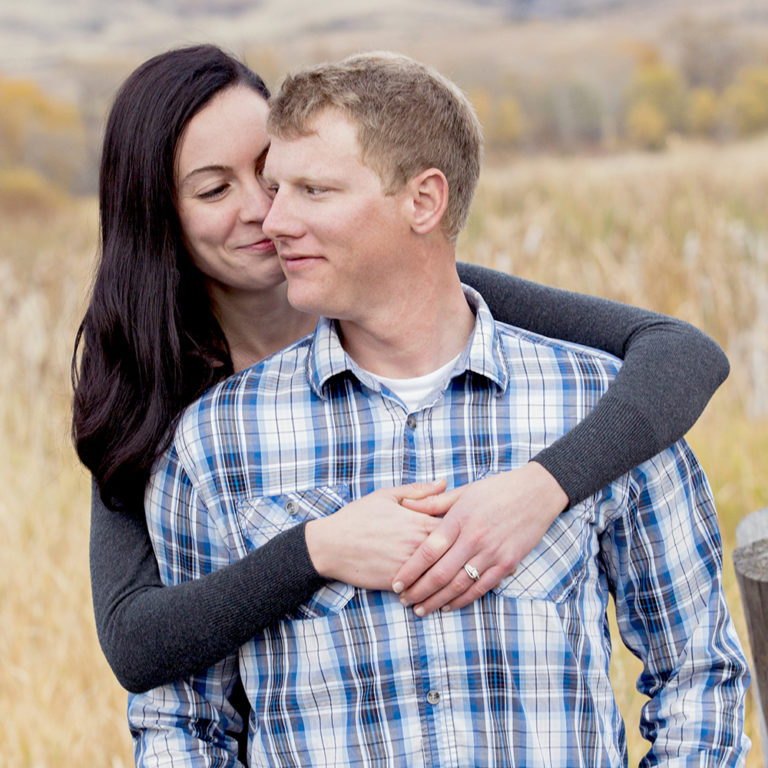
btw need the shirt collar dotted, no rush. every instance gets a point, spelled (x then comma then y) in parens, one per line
(483, 354)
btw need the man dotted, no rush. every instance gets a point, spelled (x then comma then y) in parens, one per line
(372, 166)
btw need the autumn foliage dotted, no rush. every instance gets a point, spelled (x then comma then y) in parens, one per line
(41, 139)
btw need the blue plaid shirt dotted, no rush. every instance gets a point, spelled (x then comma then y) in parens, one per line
(518, 678)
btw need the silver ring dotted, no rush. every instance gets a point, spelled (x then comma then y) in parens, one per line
(472, 572)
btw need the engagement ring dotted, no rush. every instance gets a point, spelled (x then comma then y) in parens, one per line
(472, 572)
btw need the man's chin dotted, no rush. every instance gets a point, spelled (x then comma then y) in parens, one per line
(305, 301)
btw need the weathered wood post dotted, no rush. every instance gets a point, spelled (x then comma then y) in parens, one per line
(750, 560)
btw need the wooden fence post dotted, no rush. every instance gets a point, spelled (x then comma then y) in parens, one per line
(750, 560)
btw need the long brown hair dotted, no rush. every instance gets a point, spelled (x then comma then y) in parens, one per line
(149, 343)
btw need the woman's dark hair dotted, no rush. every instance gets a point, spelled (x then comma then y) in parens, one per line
(149, 343)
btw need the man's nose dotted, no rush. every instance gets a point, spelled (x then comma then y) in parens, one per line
(279, 222)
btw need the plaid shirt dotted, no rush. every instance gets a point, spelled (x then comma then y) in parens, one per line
(518, 678)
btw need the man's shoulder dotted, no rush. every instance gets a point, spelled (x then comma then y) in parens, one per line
(283, 371)
(520, 343)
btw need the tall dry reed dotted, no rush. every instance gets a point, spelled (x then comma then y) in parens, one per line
(60, 704)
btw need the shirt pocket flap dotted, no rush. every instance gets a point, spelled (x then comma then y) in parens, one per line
(558, 562)
(264, 517)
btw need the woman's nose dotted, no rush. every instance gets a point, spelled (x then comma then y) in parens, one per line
(256, 203)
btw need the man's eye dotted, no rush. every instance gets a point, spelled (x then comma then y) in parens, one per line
(315, 190)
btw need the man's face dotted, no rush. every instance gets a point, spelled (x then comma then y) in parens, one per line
(337, 234)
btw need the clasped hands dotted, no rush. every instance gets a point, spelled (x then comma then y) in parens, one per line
(416, 539)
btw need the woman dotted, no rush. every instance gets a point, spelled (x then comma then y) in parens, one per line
(189, 290)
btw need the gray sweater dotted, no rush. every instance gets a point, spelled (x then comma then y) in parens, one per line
(152, 634)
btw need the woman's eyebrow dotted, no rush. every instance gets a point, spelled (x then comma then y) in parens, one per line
(205, 169)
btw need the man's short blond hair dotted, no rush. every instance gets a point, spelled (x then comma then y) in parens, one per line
(409, 118)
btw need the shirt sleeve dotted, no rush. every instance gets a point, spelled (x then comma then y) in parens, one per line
(670, 371)
(664, 563)
(191, 722)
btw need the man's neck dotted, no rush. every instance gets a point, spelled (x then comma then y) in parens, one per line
(426, 327)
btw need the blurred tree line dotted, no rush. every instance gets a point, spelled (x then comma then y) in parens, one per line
(44, 147)
(704, 80)
(659, 101)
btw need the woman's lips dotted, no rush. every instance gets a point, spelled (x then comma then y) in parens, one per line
(259, 246)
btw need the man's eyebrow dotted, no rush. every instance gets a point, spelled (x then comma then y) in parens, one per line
(320, 178)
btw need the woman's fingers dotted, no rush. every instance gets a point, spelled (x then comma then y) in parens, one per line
(492, 525)
(433, 504)
(418, 493)
(449, 573)
(426, 556)
(462, 591)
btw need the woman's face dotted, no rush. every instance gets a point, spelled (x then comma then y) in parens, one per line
(220, 198)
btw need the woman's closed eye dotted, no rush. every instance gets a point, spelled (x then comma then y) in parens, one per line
(212, 194)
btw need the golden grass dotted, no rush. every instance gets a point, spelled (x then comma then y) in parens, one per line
(60, 704)
(684, 232)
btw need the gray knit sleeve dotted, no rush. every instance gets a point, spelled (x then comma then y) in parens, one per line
(153, 634)
(670, 371)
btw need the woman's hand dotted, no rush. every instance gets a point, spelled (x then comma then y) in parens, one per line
(492, 524)
(366, 542)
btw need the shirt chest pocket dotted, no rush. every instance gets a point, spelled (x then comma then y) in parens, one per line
(264, 517)
(558, 563)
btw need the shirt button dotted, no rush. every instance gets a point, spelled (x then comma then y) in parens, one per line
(411, 421)
(433, 697)
(292, 508)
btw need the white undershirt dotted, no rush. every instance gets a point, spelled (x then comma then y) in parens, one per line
(413, 391)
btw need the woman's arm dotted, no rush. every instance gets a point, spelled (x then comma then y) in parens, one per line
(670, 371)
(151, 634)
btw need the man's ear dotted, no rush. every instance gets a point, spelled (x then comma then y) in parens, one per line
(427, 200)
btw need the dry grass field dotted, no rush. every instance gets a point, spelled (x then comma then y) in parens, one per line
(684, 232)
